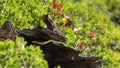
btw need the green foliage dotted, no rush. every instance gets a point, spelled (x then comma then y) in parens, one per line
(86, 15)
(15, 54)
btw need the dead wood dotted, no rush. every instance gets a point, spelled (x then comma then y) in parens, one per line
(55, 53)
(7, 31)
(58, 54)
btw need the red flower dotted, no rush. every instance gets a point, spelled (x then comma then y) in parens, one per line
(57, 6)
(68, 22)
(92, 35)
(59, 12)
(81, 46)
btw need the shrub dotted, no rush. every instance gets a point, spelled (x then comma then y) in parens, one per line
(89, 16)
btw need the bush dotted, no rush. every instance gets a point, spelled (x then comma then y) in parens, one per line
(91, 18)
(15, 54)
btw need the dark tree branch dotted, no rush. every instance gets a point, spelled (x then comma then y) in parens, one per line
(55, 53)
(40, 34)
(58, 54)
(7, 31)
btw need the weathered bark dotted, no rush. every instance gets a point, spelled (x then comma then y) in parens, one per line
(58, 54)
(55, 53)
(40, 34)
(7, 31)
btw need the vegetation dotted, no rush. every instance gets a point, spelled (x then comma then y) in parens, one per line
(86, 24)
